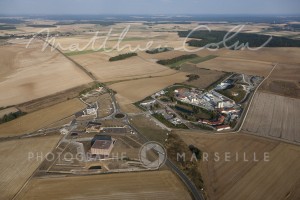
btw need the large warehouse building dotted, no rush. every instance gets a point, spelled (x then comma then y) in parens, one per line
(102, 145)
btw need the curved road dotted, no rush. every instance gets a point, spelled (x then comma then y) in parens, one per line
(197, 195)
(189, 184)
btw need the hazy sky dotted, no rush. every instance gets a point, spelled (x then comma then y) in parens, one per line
(149, 6)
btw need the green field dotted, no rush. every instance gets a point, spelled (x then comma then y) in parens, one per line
(236, 89)
(7, 27)
(194, 59)
(202, 59)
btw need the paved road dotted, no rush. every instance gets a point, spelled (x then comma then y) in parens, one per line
(251, 100)
(189, 184)
(197, 195)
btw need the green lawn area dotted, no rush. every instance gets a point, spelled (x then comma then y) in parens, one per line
(236, 89)
(202, 59)
(148, 129)
(161, 118)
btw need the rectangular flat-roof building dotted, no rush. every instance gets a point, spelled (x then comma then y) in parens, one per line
(103, 146)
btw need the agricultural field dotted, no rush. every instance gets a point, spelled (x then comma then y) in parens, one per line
(286, 55)
(56, 98)
(132, 68)
(206, 77)
(277, 178)
(138, 38)
(284, 81)
(242, 66)
(31, 73)
(15, 166)
(39, 119)
(132, 91)
(46, 85)
(140, 185)
(274, 116)
(45, 25)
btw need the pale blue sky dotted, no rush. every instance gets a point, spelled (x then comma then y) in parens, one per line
(149, 6)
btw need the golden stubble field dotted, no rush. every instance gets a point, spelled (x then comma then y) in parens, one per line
(277, 178)
(17, 164)
(274, 111)
(134, 40)
(274, 116)
(284, 81)
(29, 73)
(288, 55)
(132, 91)
(140, 185)
(246, 66)
(41, 118)
(127, 69)
(259, 62)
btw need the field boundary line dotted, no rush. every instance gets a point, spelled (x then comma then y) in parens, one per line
(35, 171)
(251, 100)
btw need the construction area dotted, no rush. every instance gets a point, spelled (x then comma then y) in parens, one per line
(94, 143)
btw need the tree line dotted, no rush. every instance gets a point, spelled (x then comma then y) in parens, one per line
(253, 40)
(11, 116)
(177, 59)
(122, 56)
(159, 50)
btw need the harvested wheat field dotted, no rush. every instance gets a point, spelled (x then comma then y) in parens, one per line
(15, 165)
(140, 185)
(274, 116)
(206, 77)
(284, 80)
(251, 67)
(135, 39)
(31, 73)
(136, 90)
(39, 119)
(286, 72)
(275, 55)
(260, 177)
(127, 69)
